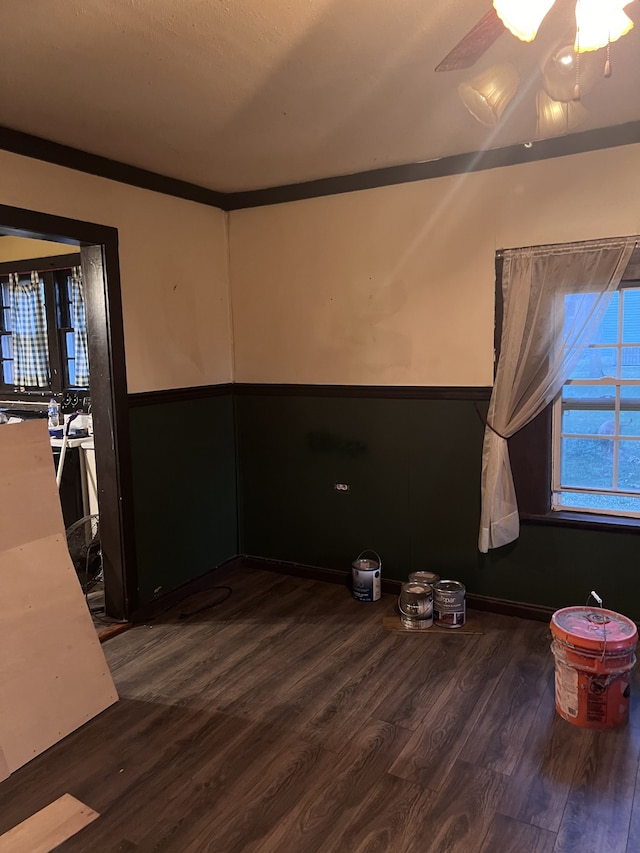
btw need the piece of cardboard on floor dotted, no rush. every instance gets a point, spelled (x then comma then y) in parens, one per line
(53, 673)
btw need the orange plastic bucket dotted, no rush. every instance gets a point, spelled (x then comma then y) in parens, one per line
(594, 651)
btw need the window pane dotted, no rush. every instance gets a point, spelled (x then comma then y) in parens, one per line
(631, 316)
(587, 463)
(7, 319)
(630, 423)
(615, 503)
(608, 330)
(630, 367)
(7, 367)
(596, 362)
(585, 422)
(71, 367)
(605, 393)
(70, 339)
(7, 348)
(629, 465)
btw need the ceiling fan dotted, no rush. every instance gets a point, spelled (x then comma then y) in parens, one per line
(612, 21)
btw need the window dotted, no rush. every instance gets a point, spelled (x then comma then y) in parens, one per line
(596, 418)
(579, 460)
(43, 342)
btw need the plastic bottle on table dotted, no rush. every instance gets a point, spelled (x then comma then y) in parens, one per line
(53, 414)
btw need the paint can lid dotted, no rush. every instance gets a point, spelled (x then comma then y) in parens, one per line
(594, 628)
(449, 586)
(424, 577)
(365, 565)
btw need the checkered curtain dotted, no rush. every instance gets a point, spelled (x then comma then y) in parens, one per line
(79, 323)
(29, 334)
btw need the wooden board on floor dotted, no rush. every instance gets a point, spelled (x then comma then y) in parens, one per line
(48, 828)
(53, 673)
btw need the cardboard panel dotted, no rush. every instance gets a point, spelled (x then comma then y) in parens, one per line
(30, 502)
(53, 673)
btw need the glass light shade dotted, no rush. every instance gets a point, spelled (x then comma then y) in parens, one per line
(599, 22)
(557, 117)
(487, 95)
(522, 17)
(558, 70)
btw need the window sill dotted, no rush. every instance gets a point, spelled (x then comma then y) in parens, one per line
(583, 521)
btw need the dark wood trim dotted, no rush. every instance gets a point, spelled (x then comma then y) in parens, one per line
(54, 262)
(477, 161)
(537, 612)
(298, 570)
(99, 249)
(390, 392)
(178, 395)
(152, 609)
(583, 521)
(108, 387)
(38, 148)
(82, 161)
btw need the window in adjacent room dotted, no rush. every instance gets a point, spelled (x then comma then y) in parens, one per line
(596, 417)
(43, 337)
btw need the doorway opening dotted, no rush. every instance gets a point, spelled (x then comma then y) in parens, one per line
(97, 249)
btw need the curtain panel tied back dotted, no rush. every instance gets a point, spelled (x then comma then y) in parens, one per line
(539, 349)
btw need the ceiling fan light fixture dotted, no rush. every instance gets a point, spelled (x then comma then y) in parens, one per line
(555, 118)
(522, 17)
(600, 22)
(487, 95)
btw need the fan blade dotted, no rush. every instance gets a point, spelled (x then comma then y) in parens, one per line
(474, 44)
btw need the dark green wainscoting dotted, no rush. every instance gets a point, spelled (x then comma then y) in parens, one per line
(184, 485)
(413, 471)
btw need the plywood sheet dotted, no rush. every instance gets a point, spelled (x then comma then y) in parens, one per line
(48, 828)
(53, 673)
(28, 493)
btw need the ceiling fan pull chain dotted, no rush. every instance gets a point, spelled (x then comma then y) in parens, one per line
(607, 64)
(576, 88)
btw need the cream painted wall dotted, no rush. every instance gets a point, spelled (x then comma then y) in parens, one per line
(21, 248)
(173, 265)
(395, 286)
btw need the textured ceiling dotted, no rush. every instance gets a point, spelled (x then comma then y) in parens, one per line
(245, 94)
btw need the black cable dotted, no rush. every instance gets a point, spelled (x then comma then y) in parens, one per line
(229, 589)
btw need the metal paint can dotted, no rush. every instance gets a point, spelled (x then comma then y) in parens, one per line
(449, 606)
(415, 604)
(366, 577)
(424, 577)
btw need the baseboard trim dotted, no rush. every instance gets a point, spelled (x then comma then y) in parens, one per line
(536, 612)
(152, 609)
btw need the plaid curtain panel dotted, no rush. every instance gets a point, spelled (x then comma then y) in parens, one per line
(30, 347)
(79, 322)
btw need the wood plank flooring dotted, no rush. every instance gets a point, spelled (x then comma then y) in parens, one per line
(289, 719)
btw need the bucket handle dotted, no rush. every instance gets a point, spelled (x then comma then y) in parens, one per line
(593, 594)
(371, 551)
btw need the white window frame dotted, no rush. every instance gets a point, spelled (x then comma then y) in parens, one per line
(617, 382)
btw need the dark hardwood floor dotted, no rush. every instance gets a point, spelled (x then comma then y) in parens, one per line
(288, 719)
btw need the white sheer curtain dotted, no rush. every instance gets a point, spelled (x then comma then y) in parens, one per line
(540, 347)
